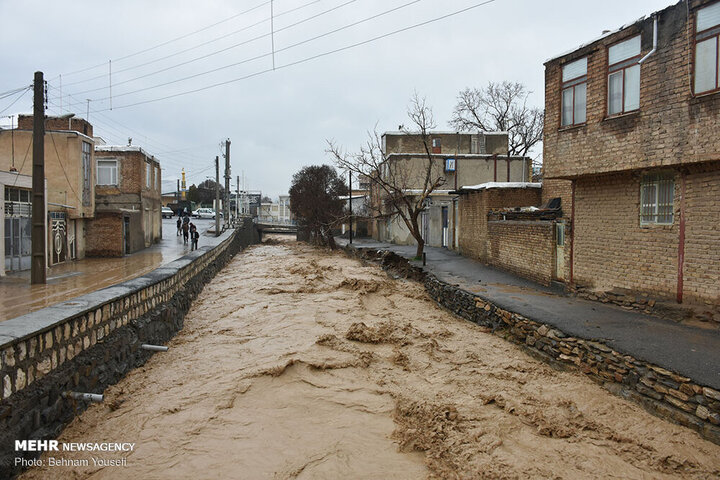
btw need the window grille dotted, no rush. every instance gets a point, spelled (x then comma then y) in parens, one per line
(657, 192)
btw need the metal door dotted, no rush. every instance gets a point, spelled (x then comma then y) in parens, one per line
(445, 233)
(58, 238)
(126, 235)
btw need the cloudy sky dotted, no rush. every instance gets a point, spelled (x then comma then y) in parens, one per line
(186, 75)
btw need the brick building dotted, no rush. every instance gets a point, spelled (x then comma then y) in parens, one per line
(461, 159)
(632, 145)
(127, 200)
(69, 170)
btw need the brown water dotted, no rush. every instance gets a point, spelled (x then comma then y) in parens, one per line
(296, 363)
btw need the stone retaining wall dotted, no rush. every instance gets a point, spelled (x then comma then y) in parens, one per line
(660, 391)
(90, 342)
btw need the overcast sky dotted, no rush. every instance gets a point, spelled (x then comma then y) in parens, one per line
(278, 121)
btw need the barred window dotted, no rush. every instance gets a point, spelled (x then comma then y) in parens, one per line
(657, 192)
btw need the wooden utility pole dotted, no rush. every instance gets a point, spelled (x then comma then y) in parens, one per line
(38, 273)
(226, 207)
(350, 181)
(217, 196)
(237, 197)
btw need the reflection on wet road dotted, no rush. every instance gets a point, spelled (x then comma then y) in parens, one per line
(71, 279)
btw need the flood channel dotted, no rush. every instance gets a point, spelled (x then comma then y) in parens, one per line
(296, 362)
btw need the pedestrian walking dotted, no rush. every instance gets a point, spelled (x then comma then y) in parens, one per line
(186, 232)
(194, 237)
(179, 226)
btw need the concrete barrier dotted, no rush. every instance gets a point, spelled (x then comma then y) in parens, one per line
(92, 341)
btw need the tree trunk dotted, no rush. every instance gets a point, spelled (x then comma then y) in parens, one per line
(420, 247)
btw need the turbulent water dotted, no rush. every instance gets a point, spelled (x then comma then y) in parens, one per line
(298, 363)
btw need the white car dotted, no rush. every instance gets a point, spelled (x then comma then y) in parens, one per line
(204, 213)
(166, 212)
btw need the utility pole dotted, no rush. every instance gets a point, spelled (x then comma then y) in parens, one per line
(38, 273)
(227, 182)
(350, 181)
(217, 196)
(177, 192)
(237, 197)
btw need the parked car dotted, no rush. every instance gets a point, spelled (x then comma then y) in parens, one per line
(167, 212)
(205, 213)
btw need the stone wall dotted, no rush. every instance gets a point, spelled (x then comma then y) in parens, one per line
(661, 392)
(90, 342)
(524, 248)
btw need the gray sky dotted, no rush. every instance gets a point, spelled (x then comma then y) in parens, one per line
(278, 121)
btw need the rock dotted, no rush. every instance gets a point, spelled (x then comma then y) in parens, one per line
(679, 404)
(702, 412)
(687, 389)
(678, 394)
(710, 393)
(543, 330)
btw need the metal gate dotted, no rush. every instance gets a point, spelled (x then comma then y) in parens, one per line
(18, 229)
(58, 238)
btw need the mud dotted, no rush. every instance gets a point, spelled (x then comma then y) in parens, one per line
(299, 363)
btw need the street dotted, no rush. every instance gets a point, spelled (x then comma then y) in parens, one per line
(295, 362)
(74, 278)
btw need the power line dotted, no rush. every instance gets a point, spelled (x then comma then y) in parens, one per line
(217, 52)
(27, 89)
(193, 47)
(171, 41)
(257, 57)
(307, 59)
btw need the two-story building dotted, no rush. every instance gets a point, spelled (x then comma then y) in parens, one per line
(632, 145)
(70, 197)
(127, 201)
(460, 159)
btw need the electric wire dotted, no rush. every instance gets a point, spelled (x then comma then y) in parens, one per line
(27, 89)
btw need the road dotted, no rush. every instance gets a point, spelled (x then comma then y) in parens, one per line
(299, 363)
(71, 279)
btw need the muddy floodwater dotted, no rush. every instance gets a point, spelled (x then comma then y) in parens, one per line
(299, 363)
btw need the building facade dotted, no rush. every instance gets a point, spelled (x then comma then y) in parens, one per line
(460, 159)
(128, 202)
(632, 145)
(69, 170)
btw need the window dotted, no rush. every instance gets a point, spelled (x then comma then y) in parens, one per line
(148, 175)
(436, 145)
(624, 76)
(707, 49)
(657, 192)
(87, 178)
(107, 172)
(574, 93)
(157, 178)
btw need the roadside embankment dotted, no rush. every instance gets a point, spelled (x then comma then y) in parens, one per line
(664, 393)
(89, 342)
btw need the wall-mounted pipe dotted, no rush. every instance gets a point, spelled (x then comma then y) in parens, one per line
(154, 348)
(655, 41)
(92, 397)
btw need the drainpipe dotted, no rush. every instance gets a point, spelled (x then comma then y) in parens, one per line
(655, 40)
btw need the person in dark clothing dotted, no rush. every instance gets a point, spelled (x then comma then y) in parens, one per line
(179, 225)
(186, 231)
(194, 237)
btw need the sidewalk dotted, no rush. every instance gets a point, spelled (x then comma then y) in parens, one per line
(75, 278)
(690, 351)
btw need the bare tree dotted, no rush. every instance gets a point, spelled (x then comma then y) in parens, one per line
(398, 187)
(500, 106)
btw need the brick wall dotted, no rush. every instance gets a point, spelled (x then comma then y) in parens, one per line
(671, 127)
(525, 248)
(104, 236)
(473, 209)
(76, 124)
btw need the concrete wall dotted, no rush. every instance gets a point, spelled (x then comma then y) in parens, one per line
(525, 248)
(89, 342)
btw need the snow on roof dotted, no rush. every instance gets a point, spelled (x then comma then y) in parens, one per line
(123, 148)
(488, 185)
(605, 34)
(445, 132)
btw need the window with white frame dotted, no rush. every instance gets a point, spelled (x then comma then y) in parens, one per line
(574, 93)
(624, 76)
(107, 172)
(657, 192)
(707, 49)
(148, 175)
